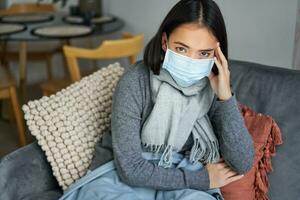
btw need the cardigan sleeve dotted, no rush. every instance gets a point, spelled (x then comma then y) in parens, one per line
(236, 145)
(132, 168)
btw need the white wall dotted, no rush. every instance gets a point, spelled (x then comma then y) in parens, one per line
(296, 57)
(261, 30)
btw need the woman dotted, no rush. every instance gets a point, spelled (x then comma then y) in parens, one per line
(177, 132)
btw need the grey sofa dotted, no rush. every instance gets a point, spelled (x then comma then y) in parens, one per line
(25, 174)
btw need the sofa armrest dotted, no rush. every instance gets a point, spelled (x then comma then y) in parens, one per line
(25, 172)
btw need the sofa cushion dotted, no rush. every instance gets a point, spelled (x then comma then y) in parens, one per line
(274, 91)
(265, 135)
(67, 125)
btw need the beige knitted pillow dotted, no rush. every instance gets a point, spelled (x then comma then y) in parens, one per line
(67, 125)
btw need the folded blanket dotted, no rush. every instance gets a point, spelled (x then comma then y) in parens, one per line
(104, 183)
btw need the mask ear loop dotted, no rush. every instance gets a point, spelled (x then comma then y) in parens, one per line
(167, 44)
(163, 56)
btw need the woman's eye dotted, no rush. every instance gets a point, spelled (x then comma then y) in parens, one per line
(205, 54)
(180, 50)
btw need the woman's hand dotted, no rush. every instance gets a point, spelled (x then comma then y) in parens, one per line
(220, 174)
(221, 83)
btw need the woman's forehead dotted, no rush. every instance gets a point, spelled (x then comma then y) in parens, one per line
(194, 36)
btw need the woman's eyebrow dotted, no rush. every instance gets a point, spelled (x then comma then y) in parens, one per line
(206, 49)
(180, 43)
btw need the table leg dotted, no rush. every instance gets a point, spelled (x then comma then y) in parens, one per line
(66, 42)
(23, 69)
(3, 52)
(18, 116)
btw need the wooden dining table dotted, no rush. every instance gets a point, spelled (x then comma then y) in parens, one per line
(36, 30)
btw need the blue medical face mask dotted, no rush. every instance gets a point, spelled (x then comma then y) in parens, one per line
(184, 70)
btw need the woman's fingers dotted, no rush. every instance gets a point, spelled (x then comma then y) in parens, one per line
(211, 75)
(221, 174)
(221, 165)
(230, 173)
(234, 178)
(227, 170)
(219, 66)
(221, 56)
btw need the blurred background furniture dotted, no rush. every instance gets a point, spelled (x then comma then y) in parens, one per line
(22, 50)
(8, 91)
(36, 52)
(23, 8)
(127, 47)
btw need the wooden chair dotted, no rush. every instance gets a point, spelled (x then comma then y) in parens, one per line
(38, 52)
(127, 47)
(8, 92)
(23, 8)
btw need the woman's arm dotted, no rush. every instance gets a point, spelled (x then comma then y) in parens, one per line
(236, 144)
(132, 168)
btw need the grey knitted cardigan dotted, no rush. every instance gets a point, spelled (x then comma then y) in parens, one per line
(132, 104)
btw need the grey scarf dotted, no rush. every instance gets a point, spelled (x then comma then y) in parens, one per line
(177, 113)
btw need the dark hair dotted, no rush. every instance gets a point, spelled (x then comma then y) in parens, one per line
(204, 12)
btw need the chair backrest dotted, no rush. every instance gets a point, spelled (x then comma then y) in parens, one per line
(127, 47)
(23, 8)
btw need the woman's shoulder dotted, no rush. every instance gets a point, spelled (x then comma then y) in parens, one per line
(137, 75)
(137, 70)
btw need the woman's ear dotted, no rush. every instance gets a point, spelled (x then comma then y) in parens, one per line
(164, 41)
